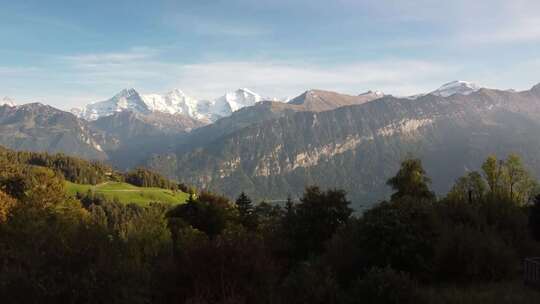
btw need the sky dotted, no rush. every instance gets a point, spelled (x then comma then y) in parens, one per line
(69, 53)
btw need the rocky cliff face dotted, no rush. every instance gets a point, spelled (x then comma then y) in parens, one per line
(359, 147)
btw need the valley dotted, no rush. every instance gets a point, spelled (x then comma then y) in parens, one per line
(271, 149)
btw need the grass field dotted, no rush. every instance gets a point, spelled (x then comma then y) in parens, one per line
(127, 193)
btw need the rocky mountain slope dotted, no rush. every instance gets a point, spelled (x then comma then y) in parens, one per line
(318, 100)
(358, 147)
(38, 127)
(124, 138)
(312, 100)
(271, 149)
(133, 137)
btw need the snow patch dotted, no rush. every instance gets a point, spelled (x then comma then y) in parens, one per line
(456, 87)
(6, 101)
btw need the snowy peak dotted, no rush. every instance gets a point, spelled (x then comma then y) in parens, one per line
(240, 98)
(233, 101)
(172, 102)
(126, 93)
(456, 87)
(6, 101)
(127, 99)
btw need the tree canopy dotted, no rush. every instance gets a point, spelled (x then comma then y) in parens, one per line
(411, 180)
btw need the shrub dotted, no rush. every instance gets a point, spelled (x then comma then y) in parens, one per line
(310, 283)
(468, 254)
(385, 286)
(399, 234)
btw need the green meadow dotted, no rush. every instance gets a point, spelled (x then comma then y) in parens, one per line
(127, 193)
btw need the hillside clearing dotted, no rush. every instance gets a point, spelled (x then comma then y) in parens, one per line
(127, 193)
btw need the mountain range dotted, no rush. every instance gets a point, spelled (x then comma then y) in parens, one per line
(173, 102)
(270, 149)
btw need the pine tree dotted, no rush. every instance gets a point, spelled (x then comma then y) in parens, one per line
(245, 211)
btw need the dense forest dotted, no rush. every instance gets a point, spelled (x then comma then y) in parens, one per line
(466, 247)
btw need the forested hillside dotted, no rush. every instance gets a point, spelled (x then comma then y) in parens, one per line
(71, 168)
(138, 186)
(465, 247)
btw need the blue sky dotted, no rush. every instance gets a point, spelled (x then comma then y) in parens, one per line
(68, 53)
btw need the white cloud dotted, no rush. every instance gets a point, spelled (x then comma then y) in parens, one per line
(499, 22)
(289, 78)
(457, 22)
(271, 78)
(112, 58)
(100, 75)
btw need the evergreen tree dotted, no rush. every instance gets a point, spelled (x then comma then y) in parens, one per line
(208, 213)
(244, 205)
(246, 213)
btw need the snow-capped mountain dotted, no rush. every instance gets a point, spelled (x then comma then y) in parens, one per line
(7, 101)
(127, 99)
(456, 87)
(173, 102)
(234, 101)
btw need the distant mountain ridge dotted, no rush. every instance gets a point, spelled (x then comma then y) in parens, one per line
(173, 102)
(38, 127)
(270, 149)
(124, 138)
(456, 87)
(357, 147)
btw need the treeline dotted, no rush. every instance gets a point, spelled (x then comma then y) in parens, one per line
(145, 178)
(81, 171)
(411, 248)
(73, 169)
